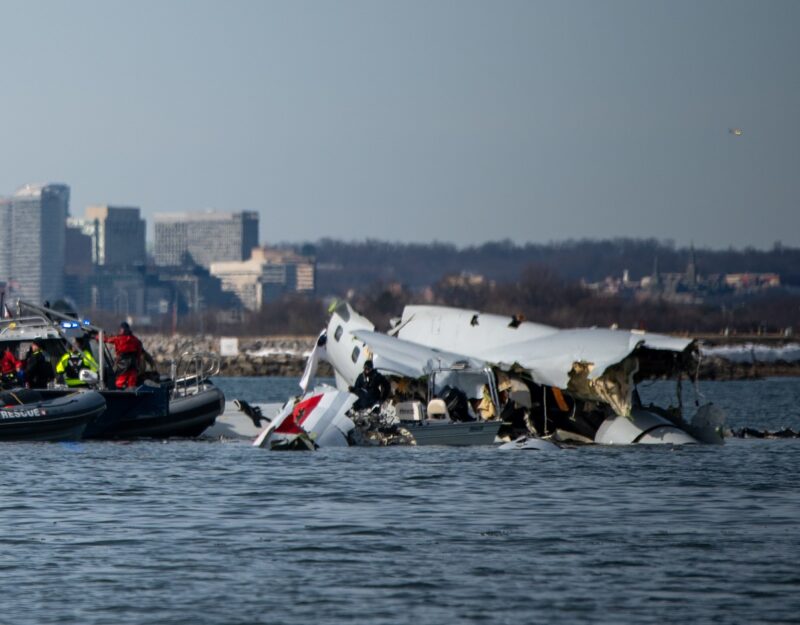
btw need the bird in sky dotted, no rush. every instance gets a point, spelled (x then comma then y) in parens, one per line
(736, 132)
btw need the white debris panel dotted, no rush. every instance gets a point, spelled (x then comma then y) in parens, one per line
(549, 354)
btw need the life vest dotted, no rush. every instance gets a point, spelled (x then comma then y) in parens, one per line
(74, 365)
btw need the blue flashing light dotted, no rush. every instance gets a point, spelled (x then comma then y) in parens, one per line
(86, 322)
(70, 324)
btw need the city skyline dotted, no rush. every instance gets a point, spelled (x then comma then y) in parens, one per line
(203, 214)
(213, 259)
(462, 122)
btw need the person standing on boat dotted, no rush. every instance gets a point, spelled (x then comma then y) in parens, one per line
(128, 351)
(38, 370)
(79, 357)
(9, 369)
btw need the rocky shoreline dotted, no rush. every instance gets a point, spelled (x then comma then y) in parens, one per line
(286, 356)
(283, 356)
(716, 368)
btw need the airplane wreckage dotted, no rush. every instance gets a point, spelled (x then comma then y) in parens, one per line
(448, 376)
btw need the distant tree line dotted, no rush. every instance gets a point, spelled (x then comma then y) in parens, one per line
(351, 265)
(539, 294)
(542, 282)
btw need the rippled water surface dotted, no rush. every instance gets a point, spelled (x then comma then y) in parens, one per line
(210, 532)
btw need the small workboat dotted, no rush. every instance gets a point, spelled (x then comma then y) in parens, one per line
(157, 411)
(27, 416)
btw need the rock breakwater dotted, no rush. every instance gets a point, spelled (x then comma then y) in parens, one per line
(717, 368)
(257, 356)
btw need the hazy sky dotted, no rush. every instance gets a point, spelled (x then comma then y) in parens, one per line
(456, 121)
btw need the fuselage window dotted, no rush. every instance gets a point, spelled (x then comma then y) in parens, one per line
(338, 334)
(356, 354)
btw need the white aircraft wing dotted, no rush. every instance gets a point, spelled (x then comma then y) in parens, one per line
(409, 359)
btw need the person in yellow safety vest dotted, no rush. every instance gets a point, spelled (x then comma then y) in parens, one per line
(79, 357)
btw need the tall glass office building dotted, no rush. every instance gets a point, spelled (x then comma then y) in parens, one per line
(204, 238)
(32, 241)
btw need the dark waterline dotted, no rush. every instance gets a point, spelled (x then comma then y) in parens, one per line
(208, 532)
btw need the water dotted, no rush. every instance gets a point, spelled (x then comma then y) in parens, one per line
(208, 532)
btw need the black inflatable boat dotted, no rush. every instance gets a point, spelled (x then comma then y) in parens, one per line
(26, 415)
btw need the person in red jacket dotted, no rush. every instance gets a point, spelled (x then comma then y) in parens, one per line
(127, 353)
(9, 366)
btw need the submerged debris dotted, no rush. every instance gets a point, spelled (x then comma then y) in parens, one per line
(377, 427)
(747, 432)
(253, 412)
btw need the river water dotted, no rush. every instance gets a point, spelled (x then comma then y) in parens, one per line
(212, 532)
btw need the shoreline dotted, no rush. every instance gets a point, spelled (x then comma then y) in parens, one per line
(285, 356)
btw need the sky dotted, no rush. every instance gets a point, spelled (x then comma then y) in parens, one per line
(455, 121)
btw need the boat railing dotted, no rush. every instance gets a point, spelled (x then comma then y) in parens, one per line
(191, 370)
(15, 324)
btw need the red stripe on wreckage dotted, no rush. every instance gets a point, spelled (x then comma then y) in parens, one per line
(292, 424)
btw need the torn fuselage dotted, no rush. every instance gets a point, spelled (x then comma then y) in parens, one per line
(577, 380)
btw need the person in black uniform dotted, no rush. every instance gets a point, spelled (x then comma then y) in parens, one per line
(371, 387)
(38, 370)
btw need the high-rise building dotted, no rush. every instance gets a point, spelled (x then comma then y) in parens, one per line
(117, 232)
(32, 240)
(78, 255)
(204, 238)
